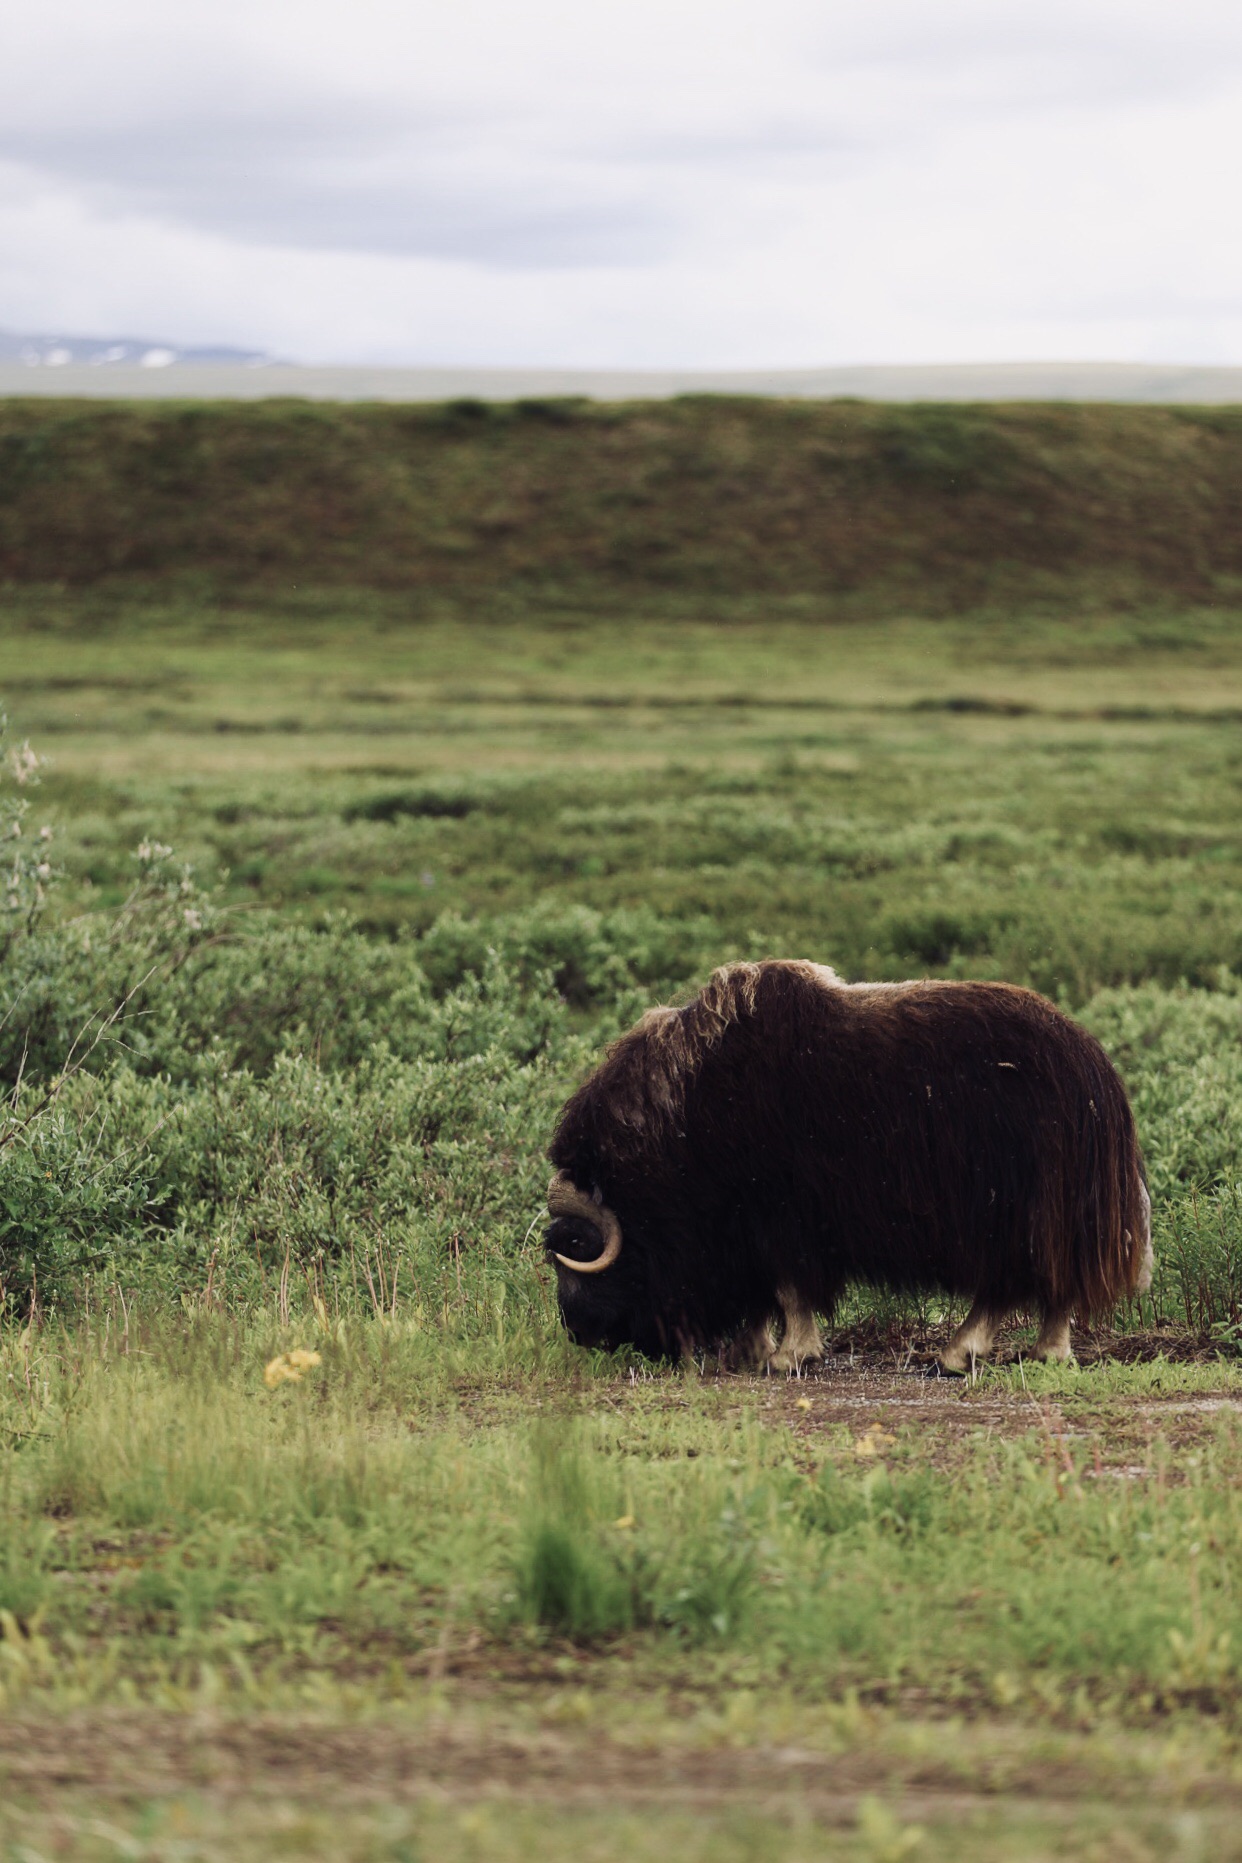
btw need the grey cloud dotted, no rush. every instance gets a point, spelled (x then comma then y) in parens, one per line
(447, 186)
(259, 157)
(360, 187)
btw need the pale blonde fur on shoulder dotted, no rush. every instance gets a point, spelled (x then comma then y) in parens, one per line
(674, 1042)
(729, 994)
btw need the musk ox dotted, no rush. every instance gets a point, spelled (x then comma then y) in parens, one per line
(742, 1159)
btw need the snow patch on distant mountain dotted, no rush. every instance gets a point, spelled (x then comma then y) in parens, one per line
(55, 351)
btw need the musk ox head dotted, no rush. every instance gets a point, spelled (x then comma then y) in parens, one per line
(601, 1287)
(641, 1255)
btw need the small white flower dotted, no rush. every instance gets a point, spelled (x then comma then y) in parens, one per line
(45, 833)
(193, 919)
(23, 763)
(43, 870)
(144, 850)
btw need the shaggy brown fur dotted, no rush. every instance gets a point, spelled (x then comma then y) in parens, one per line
(786, 1133)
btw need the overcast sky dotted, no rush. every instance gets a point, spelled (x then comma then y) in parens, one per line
(712, 183)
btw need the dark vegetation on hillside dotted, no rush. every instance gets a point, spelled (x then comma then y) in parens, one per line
(939, 505)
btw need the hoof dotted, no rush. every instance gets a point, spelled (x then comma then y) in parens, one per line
(938, 1369)
(750, 1352)
(792, 1364)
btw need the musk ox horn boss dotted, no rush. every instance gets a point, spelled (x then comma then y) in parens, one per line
(742, 1159)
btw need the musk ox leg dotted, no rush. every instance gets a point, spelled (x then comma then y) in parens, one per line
(1147, 1260)
(801, 1343)
(973, 1339)
(751, 1350)
(1054, 1338)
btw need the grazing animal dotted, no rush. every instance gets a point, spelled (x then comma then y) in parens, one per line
(786, 1133)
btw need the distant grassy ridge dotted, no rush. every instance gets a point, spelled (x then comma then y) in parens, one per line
(853, 505)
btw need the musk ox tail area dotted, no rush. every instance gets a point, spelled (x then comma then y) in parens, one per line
(1100, 1252)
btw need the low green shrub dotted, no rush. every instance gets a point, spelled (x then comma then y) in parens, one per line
(75, 1202)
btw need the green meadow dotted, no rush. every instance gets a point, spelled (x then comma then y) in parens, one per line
(317, 1538)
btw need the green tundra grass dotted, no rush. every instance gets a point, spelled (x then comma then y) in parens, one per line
(454, 1589)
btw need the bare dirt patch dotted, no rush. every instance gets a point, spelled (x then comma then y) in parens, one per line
(874, 1384)
(898, 1346)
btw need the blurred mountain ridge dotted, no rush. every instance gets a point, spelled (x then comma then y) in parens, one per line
(54, 350)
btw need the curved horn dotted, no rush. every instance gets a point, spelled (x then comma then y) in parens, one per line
(565, 1199)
